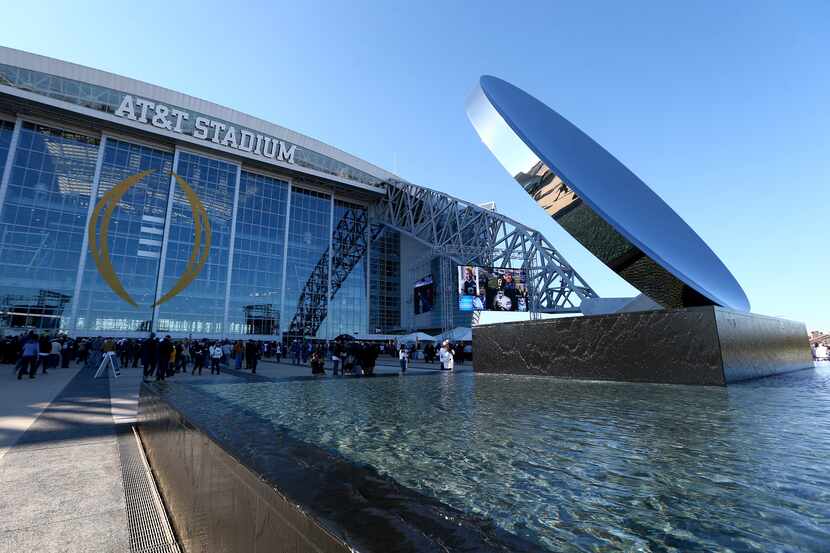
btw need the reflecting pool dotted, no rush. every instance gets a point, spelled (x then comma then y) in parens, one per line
(586, 466)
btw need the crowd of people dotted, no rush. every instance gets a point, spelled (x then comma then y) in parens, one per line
(32, 351)
(163, 357)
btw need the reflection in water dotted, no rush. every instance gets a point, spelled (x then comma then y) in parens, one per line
(587, 466)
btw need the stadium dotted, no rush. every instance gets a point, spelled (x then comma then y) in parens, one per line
(127, 208)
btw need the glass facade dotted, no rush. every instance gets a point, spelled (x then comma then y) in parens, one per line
(312, 285)
(42, 225)
(348, 304)
(385, 280)
(256, 284)
(307, 263)
(135, 234)
(6, 131)
(200, 308)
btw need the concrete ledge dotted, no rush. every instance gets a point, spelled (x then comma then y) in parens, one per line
(214, 502)
(698, 345)
(232, 481)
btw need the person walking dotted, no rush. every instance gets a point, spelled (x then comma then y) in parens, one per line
(197, 352)
(446, 356)
(29, 357)
(251, 355)
(215, 353)
(149, 355)
(44, 352)
(336, 358)
(124, 352)
(295, 352)
(176, 362)
(403, 356)
(55, 353)
(135, 352)
(238, 354)
(165, 352)
(370, 357)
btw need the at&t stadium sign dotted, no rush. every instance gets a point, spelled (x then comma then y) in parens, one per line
(162, 116)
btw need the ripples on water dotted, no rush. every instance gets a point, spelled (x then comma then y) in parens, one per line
(580, 466)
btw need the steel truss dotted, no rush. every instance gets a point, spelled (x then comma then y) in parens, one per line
(349, 244)
(469, 234)
(457, 231)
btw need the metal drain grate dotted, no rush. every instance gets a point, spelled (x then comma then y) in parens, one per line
(150, 530)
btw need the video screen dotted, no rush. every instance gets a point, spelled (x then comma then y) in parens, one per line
(423, 295)
(492, 289)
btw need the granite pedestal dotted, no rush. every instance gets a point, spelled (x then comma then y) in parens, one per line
(696, 345)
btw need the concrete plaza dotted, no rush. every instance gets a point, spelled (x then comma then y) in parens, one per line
(62, 485)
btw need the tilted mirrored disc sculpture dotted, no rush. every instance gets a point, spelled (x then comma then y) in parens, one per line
(705, 333)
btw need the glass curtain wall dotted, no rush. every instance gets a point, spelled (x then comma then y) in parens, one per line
(306, 277)
(199, 310)
(256, 283)
(135, 234)
(385, 281)
(42, 225)
(348, 311)
(6, 131)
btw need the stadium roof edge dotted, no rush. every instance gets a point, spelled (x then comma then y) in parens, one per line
(70, 70)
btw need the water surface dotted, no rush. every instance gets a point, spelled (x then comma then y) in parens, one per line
(586, 466)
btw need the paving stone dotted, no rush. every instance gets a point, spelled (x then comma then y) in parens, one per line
(101, 532)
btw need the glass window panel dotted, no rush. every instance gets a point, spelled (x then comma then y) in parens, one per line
(256, 284)
(6, 131)
(134, 260)
(42, 225)
(384, 288)
(348, 311)
(199, 309)
(306, 278)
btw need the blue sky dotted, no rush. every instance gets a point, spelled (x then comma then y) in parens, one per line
(723, 108)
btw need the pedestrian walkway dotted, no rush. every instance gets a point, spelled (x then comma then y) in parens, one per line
(22, 401)
(62, 486)
(62, 444)
(60, 483)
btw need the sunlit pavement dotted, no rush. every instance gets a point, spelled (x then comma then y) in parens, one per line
(22, 401)
(60, 478)
(61, 485)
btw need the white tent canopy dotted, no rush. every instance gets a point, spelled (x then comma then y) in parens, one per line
(458, 334)
(415, 337)
(375, 337)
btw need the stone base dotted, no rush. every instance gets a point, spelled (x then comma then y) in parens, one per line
(699, 345)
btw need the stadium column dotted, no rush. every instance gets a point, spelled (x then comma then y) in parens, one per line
(331, 260)
(160, 277)
(368, 272)
(93, 199)
(285, 257)
(7, 168)
(225, 329)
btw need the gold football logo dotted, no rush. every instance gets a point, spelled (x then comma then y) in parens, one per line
(100, 248)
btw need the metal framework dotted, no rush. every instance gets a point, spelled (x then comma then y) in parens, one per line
(350, 243)
(456, 231)
(469, 234)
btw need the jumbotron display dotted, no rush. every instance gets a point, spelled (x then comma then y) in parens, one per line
(492, 289)
(423, 295)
